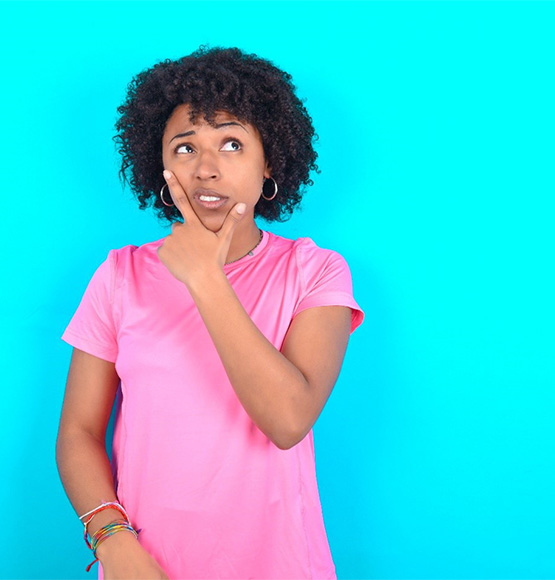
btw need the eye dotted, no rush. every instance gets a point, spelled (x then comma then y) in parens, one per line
(232, 145)
(184, 148)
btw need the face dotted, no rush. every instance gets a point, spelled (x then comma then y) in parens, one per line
(217, 165)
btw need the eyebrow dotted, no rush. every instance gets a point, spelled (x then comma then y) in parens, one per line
(217, 126)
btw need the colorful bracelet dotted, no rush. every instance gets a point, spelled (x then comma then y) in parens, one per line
(109, 505)
(108, 530)
(105, 532)
(112, 504)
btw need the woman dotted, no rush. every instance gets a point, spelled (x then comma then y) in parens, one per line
(225, 340)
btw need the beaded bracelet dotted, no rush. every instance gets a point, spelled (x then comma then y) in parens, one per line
(105, 532)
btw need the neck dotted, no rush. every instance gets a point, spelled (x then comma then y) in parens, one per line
(243, 241)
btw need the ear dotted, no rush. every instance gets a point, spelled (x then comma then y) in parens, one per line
(267, 171)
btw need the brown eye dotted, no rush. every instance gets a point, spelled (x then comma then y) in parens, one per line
(232, 145)
(184, 148)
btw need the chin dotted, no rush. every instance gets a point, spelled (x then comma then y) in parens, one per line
(213, 223)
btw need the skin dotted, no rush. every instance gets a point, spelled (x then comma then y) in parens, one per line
(283, 391)
(229, 160)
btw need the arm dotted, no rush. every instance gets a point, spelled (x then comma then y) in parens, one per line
(80, 449)
(283, 392)
(84, 466)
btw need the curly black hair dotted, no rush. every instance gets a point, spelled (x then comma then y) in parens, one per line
(244, 85)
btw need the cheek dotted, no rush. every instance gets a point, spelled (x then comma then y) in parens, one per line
(252, 182)
(257, 170)
(166, 159)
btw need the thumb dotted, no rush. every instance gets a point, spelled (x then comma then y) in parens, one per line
(235, 215)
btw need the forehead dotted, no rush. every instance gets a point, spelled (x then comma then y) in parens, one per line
(180, 117)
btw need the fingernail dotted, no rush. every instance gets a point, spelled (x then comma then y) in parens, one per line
(241, 207)
(167, 174)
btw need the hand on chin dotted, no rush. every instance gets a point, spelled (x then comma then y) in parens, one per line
(212, 222)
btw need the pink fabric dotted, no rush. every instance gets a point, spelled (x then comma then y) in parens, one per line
(213, 496)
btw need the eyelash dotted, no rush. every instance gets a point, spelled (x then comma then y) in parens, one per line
(226, 141)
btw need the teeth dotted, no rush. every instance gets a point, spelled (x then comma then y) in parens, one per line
(209, 198)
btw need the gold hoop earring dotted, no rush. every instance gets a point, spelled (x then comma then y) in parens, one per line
(162, 196)
(275, 189)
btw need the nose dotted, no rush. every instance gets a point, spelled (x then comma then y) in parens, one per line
(207, 166)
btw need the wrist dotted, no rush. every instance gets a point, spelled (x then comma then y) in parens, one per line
(115, 545)
(102, 519)
(206, 281)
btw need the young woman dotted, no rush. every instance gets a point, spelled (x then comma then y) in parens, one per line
(222, 341)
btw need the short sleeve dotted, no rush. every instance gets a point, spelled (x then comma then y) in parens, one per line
(326, 281)
(92, 327)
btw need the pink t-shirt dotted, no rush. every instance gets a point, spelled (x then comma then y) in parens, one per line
(213, 496)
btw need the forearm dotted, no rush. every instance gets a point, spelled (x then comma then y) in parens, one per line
(87, 477)
(271, 389)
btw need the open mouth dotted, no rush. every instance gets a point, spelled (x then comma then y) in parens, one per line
(210, 199)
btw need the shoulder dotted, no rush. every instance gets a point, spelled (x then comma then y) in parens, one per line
(325, 277)
(135, 255)
(308, 254)
(136, 252)
(127, 262)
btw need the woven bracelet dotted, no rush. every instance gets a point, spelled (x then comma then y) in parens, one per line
(105, 506)
(105, 532)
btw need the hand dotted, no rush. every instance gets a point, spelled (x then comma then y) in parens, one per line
(125, 559)
(192, 249)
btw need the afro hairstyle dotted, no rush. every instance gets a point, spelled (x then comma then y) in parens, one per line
(211, 80)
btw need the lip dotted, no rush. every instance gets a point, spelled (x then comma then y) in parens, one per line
(216, 204)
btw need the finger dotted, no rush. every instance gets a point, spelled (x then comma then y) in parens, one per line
(180, 198)
(234, 216)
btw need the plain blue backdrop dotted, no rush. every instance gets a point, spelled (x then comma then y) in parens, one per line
(436, 122)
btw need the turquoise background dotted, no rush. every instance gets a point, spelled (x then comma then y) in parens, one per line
(436, 120)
